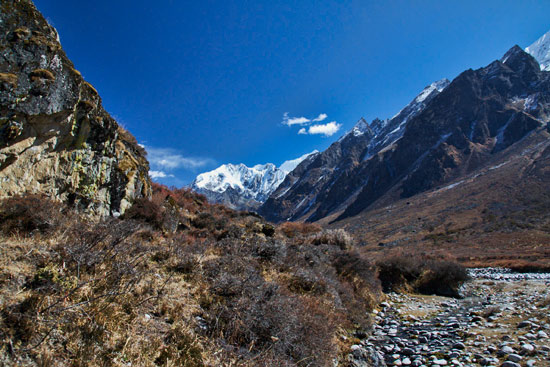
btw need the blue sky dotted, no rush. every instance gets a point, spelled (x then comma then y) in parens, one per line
(201, 83)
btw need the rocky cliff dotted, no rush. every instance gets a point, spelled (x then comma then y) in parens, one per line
(55, 137)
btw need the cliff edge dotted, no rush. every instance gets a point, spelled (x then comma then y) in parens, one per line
(55, 137)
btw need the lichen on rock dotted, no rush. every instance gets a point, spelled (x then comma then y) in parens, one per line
(56, 138)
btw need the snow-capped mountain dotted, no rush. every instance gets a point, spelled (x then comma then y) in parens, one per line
(540, 50)
(242, 187)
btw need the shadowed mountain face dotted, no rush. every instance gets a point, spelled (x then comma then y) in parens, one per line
(55, 137)
(455, 130)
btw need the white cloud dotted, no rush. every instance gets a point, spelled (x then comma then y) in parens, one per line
(289, 121)
(328, 129)
(323, 129)
(159, 174)
(320, 118)
(166, 158)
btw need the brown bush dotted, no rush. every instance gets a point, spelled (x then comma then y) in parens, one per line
(276, 323)
(184, 198)
(442, 277)
(147, 211)
(25, 215)
(418, 273)
(333, 237)
(125, 290)
(294, 229)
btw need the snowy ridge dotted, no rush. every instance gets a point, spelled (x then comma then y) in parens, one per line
(259, 178)
(540, 50)
(237, 185)
(289, 165)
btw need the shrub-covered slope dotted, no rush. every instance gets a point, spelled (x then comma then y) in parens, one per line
(175, 281)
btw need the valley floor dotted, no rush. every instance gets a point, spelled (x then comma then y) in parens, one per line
(503, 320)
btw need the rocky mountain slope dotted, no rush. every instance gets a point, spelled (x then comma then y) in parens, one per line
(498, 215)
(55, 137)
(456, 131)
(241, 187)
(306, 186)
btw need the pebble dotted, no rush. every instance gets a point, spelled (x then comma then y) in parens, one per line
(506, 350)
(453, 332)
(527, 348)
(459, 345)
(510, 364)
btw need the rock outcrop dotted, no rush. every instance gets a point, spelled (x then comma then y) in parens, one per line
(55, 137)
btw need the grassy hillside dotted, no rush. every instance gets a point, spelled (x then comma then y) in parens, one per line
(176, 282)
(496, 216)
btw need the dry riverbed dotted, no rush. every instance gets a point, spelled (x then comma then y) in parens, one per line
(503, 320)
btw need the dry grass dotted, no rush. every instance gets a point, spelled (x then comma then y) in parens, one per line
(10, 79)
(218, 288)
(41, 74)
(334, 237)
(294, 229)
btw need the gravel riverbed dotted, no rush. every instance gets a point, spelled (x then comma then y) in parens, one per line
(503, 320)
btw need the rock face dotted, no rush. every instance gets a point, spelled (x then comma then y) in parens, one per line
(244, 188)
(55, 137)
(447, 131)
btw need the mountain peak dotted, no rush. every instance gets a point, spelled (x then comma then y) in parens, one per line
(241, 187)
(540, 50)
(437, 85)
(515, 50)
(360, 127)
(521, 62)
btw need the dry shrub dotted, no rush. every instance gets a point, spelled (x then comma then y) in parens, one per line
(280, 324)
(184, 198)
(293, 314)
(402, 272)
(25, 215)
(294, 229)
(442, 277)
(147, 211)
(124, 291)
(333, 237)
